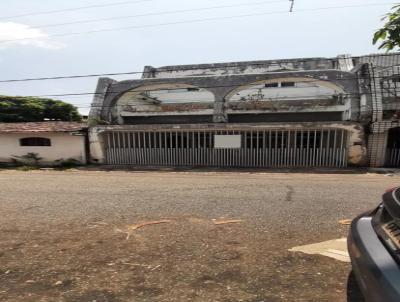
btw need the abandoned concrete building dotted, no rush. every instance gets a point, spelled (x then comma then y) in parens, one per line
(314, 112)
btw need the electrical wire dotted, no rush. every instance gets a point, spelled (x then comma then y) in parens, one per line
(155, 14)
(195, 21)
(50, 12)
(315, 96)
(136, 90)
(305, 97)
(311, 80)
(181, 68)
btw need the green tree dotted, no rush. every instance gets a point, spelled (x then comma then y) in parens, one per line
(31, 109)
(389, 34)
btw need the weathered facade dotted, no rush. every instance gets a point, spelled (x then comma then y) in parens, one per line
(52, 142)
(315, 112)
(379, 85)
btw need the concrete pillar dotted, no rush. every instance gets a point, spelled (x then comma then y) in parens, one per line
(96, 144)
(95, 114)
(219, 115)
(377, 149)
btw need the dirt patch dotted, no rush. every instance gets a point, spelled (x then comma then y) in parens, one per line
(171, 262)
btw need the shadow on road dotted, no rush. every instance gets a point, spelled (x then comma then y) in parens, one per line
(353, 290)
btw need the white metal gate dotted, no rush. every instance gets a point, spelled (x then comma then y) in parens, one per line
(258, 148)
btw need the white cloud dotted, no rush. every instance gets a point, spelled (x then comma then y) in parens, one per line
(17, 34)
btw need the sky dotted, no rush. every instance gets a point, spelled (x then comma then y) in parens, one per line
(35, 40)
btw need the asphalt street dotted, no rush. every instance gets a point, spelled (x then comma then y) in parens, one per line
(76, 235)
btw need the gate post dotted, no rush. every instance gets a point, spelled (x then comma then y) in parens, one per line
(377, 149)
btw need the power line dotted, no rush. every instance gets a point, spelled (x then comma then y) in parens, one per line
(110, 92)
(312, 80)
(49, 12)
(270, 98)
(195, 21)
(155, 14)
(315, 96)
(223, 65)
(215, 86)
(84, 8)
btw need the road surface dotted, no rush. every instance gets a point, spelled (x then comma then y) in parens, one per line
(74, 235)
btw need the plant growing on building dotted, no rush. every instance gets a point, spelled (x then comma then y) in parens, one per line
(389, 34)
(29, 159)
(96, 121)
(67, 163)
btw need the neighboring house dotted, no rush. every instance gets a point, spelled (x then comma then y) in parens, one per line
(52, 141)
(312, 112)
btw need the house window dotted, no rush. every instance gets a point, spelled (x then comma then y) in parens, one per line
(35, 141)
(279, 84)
(396, 79)
(287, 84)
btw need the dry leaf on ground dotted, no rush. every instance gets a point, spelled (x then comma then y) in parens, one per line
(345, 221)
(133, 227)
(218, 222)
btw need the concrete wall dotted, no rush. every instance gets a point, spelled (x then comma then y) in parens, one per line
(377, 141)
(247, 67)
(63, 146)
(385, 103)
(221, 88)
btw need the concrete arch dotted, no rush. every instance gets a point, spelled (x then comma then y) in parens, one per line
(304, 80)
(163, 88)
(167, 101)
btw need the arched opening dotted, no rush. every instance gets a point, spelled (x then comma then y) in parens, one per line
(393, 148)
(165, 103)
(287, 99)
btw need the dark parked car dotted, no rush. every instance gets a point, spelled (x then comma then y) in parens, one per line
(374, 248)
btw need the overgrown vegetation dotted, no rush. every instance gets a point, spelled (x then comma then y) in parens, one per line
(31, 109)
(96, 121)
(29, 159)
(26, 168)
(32, 161)
(67, 163)
(389, 34)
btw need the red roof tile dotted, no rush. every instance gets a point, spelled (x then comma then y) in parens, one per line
(41, 127)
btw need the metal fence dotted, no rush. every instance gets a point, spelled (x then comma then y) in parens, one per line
(393, 157)
(260, 148)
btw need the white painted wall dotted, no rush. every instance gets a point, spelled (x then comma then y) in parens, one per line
(63, 146)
